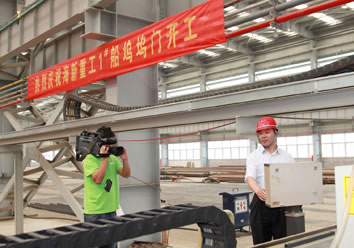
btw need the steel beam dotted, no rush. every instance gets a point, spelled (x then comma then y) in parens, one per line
(190, 59)
(329, 92)
(301, 29)
(65, 192)
(49, 171)
(44, 176)
(42, 23)
(100, 25)
(14, 65)
(11, 183)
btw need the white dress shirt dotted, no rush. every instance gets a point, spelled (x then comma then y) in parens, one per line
(257, 159)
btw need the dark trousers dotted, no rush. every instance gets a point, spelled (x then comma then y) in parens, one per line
(93, 217)
(266, 223)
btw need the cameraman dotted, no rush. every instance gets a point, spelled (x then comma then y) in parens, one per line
(100, 180)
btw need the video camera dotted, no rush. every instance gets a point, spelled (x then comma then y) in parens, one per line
(90, 143)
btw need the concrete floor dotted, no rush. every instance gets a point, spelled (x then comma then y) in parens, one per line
(186, 191)
(316, 216)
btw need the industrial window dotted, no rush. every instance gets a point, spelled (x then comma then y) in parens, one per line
(50, 155)
(160, 151)
(337, 145)
(282, 71)
(331, 59)
(184, 151)
(227, 82)
(260, 75)
(297, 146)
(228, 149)
(185, 90)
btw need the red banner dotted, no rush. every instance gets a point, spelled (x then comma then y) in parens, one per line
(183, 33)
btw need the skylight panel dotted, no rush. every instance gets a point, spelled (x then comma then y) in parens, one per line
(288, 32)
(208, 53)
(231, 29)
(348, 5)
(230, 10)
(258, 37)
(326, 18)
(258, 20)
(167, 65)
(225, 47)
(244, 14)
(301, 6)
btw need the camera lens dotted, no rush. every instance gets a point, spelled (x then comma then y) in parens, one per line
(115, 150)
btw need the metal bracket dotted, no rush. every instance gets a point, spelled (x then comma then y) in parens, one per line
(100, 24)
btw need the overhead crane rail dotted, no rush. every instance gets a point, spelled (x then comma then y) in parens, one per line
(214, 223)
(73, 102)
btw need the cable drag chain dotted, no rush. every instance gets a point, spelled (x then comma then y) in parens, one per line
(214, 223)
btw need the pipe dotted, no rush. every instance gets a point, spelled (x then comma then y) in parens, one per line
(12, 89)
(14, 83)
(289, 16)
(231, 3)
(314, 9)
(247, 8)
(12, 103)
(22, 15)
(265, 12)
(15, 93)
(14, 97)
(249, 29)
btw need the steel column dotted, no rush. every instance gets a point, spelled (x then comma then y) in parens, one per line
(18, 163)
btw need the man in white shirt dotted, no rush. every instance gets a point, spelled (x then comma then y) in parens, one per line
(266, 223)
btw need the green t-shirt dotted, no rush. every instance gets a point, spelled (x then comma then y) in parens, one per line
(96, 199)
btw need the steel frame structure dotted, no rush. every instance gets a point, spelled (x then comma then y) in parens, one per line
(47, 168)
(315, 94)
(330, 92)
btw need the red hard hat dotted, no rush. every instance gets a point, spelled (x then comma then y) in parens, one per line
(266, 123)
